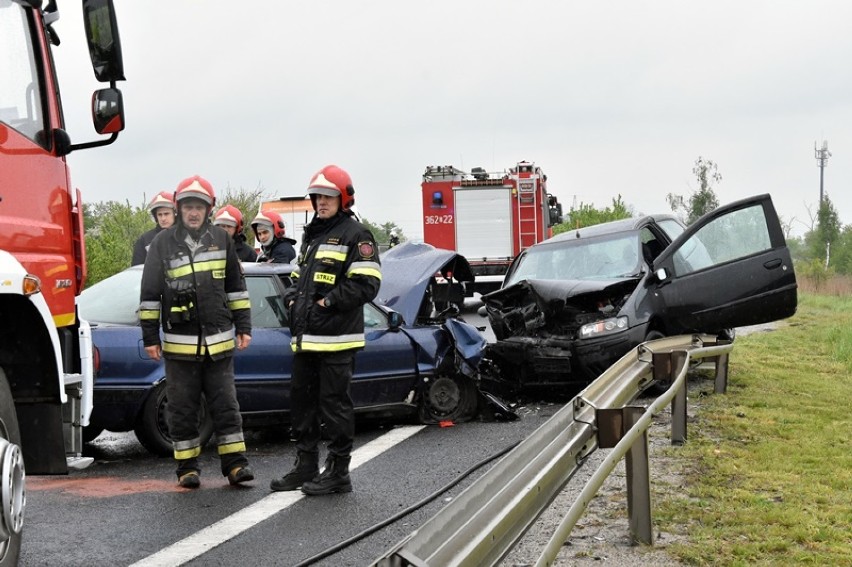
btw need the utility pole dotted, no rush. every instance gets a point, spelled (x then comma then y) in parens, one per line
(822, 155)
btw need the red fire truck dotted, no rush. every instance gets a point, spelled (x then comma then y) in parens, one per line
(46, 355)
(487, 217)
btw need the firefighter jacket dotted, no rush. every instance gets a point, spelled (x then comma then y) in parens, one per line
(140, 248)
(279, 251)
(197, 290)
(244, 252)
(339, 262)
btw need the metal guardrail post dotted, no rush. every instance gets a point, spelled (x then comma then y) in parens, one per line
(637, 464)
(678, 359)
(721, 382)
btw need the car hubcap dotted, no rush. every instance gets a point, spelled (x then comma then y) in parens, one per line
(13, 495)
(444, 395)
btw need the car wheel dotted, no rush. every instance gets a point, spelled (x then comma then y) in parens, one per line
(12, 492)
(152, 428)
(448, 398)
(91, 432)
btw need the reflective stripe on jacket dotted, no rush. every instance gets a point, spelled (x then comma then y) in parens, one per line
(199, 296)
(339, 261)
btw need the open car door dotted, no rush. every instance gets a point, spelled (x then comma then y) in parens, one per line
(730, 268)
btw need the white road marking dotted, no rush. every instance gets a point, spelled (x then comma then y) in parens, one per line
(216, 534)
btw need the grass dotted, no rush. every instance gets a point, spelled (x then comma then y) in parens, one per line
(769, 465)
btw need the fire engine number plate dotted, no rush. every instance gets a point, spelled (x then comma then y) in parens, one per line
(438, 219)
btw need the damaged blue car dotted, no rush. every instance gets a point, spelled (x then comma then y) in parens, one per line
(413, 366)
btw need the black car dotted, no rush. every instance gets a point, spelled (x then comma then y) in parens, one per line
(574, 304)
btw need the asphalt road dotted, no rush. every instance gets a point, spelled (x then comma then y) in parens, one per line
(127, 508)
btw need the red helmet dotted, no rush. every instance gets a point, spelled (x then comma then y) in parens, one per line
(271, 221)
(161, 199)
(333, 181)
(198, 188)
(231, 216)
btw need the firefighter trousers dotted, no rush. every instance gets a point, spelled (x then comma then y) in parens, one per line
(320, 394)
(186, 382)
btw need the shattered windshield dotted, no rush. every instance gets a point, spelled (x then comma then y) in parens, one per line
(605, 257)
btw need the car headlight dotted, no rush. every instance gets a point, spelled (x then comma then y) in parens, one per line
(603, 327)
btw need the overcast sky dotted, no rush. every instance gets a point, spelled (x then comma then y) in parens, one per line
(606, 97)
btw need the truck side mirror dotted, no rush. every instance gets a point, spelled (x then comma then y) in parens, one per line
(108, 111)
(104, 43)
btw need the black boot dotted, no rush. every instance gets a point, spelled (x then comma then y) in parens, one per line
(304, 469)
(335, 478)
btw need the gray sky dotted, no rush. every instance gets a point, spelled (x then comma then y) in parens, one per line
(607, 97)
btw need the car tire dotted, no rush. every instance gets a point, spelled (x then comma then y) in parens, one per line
(152, 428)
(448, 398)
(13, 488)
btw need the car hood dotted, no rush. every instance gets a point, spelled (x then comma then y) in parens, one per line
(406, 271)
(529, 305)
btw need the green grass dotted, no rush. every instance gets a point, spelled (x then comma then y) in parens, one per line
(769, 464)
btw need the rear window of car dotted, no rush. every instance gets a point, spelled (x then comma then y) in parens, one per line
(114, 300)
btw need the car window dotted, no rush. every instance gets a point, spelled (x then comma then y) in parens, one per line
(267, 306)
(672, 228)
(735, 235)
(374, 318)
(582, 259)
(114, 300)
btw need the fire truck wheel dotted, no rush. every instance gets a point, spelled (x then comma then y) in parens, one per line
(448, 398)
(152, 429)
(12, 483)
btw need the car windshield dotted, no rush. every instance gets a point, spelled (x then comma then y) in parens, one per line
(114, 300)
(605, 257)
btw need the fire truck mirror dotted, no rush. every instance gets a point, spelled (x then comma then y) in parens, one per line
(108, 111)
(104, 44)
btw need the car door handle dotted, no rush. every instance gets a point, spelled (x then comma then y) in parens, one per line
(772, 264)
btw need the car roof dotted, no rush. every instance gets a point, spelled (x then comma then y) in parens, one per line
(265, 268)
(612, 227)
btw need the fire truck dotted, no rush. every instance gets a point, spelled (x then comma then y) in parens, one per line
(486, 217)
(46, 353)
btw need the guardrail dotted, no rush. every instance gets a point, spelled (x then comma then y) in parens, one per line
(483, 523)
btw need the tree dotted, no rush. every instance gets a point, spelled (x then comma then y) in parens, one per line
(701, 201)
(111, 230)
(827, 231)
(248, 203)
(383, 232)
(588, 215)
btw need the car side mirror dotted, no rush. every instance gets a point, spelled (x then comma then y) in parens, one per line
(662, 274)
(395, 321)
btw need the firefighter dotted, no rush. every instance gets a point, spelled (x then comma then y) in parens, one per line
(270, 232)
(193, 283)
(231, 220)
(162, 208)
(339, 272)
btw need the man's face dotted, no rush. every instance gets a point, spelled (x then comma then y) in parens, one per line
(193, 213)
(327, 206)
(264, 235)
(165, 217)
(231, 230)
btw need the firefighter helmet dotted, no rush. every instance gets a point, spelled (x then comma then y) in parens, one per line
(231, 216)
(333, 181)
(269, 220)
(198, 188)
(161, 199)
